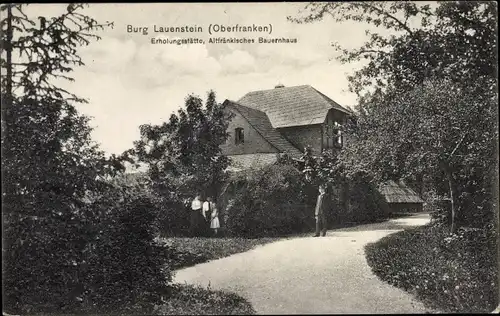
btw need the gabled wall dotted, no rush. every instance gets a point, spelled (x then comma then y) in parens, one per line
(313, 135)
(303, 136)
(254, 142)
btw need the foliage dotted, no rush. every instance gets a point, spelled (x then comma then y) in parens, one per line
(126, 267)
(184, 158)
(66, 227)
(184, 155)
(456, 273)
(436, 69)
(42, 257)
(196, 300)
(324, 169)
(353, 193)
(447, 140)
(454, 40)
(265, 202)
(366, 203)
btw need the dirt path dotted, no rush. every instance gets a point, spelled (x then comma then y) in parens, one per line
(311, 275)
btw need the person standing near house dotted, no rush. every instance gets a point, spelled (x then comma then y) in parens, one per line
(196, 209)
(214, 222)
(320, 211)
(207, 214)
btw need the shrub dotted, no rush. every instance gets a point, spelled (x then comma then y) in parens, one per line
(171, 205)
(92, 257)
(268, 201)
(173, 217)
(456, 273)
(365, 201)
(126, 266)
(41, 263)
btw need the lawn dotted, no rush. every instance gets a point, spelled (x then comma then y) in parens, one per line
(195, 300)
(453, 274)
(191, 251)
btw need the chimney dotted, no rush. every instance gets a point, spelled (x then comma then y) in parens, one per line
(279, 85)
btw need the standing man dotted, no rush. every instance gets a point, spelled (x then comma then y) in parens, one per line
(320, 213)
(195, 215)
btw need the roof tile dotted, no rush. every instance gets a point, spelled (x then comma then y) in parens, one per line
(399, 193)
(291, 106)
(261, 123)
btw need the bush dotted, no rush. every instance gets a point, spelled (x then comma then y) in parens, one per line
(457, 273)
(365, 201)
(269, 201)
(41, 270)
(126, 266)
(171, 205)
(93, 257)
(173, 217)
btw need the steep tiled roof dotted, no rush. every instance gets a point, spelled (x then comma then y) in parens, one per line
(399, 193)
(292, 106)
(261, 123)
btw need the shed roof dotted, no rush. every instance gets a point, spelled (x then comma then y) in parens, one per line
(292, 106)
(260, 121)
(395, 192)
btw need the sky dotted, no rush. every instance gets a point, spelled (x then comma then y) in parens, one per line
(129, 81)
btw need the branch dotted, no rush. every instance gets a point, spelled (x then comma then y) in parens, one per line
(458, 144)
(392, 17)
(369, 51)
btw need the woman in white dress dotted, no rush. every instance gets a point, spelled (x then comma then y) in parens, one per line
(214, 222)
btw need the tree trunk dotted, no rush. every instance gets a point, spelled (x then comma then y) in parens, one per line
(420, 184)
(8, 50)
(452, 201)
(7, 101)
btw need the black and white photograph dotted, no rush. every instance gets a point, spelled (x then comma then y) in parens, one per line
(245, 158)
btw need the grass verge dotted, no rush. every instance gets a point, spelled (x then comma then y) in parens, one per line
(191, 251)
(195, 300)
(457, 273)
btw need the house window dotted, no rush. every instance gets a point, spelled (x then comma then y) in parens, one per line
(239, 136)
(332, 136)
(338, 137)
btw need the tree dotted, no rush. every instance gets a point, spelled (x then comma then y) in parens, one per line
(46, 143)
(183, 155)
(50, 165)
(454, 40)
(456, 144)
(452, 45)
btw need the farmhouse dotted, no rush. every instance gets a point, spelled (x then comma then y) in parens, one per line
(283, 120)
(286, 120)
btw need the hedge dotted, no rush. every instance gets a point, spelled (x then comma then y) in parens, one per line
(268, 201)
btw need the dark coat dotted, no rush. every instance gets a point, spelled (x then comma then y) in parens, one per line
(320, 205)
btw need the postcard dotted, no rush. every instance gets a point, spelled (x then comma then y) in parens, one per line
(250, 158)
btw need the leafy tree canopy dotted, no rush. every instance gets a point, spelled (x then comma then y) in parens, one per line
(184, 155)
(452, 39)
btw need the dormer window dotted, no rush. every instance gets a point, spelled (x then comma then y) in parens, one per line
(239, 136)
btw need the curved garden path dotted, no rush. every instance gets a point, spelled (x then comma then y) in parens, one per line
(311, 275)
